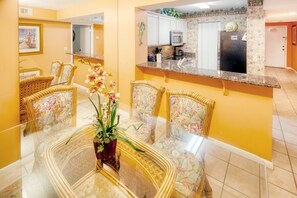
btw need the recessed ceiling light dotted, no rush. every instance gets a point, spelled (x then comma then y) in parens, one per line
(292, 13)
(202, 5)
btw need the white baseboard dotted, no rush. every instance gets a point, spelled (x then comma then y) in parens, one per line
(292, 69)
(241, 152)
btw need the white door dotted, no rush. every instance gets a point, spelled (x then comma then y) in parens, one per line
(276, 46)
(164, 30)
(208, 38)
(152, 30)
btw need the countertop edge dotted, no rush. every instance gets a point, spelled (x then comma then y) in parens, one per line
(227, 78)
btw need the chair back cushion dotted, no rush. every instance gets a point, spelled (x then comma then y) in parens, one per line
(67, 73)
(53, 108)
(189, 113)
(56, 71)
(32, 85)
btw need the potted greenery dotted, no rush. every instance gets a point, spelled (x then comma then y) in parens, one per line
(106, 121)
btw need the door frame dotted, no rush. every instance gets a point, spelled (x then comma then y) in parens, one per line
(286, 45)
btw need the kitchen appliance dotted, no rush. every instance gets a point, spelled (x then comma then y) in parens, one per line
(179, 53)
(176, 38)
(233, 52)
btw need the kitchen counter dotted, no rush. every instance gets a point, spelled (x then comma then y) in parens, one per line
(86, 55)
(188, 68)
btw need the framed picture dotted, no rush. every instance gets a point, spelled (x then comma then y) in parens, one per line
(30, 39)
(294, 34)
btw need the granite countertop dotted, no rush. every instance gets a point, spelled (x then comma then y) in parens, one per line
(188, 67)
(86, 55)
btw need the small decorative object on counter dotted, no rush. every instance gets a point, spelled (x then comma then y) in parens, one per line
(106, 120)
(158, 54)
(231, 27)
(141, 31)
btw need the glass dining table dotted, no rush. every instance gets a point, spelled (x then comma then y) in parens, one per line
(50, 167)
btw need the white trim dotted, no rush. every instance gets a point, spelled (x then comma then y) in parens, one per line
(71, 43)
(291, 69)
(243, 153)
(92, 39)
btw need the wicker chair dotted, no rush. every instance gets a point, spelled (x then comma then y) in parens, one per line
(30, 86)
(56, 71)
(188, 118)
(145, 104)
(53, 108)
(67, 74)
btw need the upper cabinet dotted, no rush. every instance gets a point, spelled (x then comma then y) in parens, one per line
(164, 30)
(159, 27)
(152, 30)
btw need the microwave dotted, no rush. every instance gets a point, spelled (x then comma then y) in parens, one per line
(176, 38)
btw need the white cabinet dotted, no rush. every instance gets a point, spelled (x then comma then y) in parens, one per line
(152, 30)
(185, 30)
(164, 30)
(159, 27)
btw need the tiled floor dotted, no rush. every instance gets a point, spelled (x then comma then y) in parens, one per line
(229, 174)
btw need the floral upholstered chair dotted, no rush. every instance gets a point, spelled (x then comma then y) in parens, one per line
(52, 109)
(67, 74)
(56, 71)
(30, 86)
(188, 118)
(145, 103)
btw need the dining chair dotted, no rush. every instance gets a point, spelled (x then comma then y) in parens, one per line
(145, 104)
(188, 121)
(56, 70)
(30, 86)
(67, 74)
(53, 108)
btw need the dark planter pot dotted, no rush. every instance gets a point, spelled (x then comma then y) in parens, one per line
(108, 155)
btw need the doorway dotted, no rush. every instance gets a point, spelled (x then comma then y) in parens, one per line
(276, 46)
(82, 41)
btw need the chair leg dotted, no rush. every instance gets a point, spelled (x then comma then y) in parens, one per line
(207, 189)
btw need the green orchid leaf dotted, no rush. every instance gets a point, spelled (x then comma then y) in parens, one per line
(129, 142)
(95, 107)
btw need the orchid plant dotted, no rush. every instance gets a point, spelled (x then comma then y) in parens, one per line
(107, 120)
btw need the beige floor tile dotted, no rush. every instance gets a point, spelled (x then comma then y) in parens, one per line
(289, 129)
(245, 164)
(294, 164)
(281, 160)
(279, 146)
(215, 167)
(292, 149)
(277, 192)
(217, 151)
(290, 138)
(277, 134)
(275, 122)
(282, 178)
(231, 193)
(249, 187)
(216, 187)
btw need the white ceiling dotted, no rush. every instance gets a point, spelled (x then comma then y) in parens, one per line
(50, 4)
(214, 5)
(280, 10)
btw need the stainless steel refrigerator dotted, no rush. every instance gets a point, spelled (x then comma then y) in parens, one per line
(233, 51)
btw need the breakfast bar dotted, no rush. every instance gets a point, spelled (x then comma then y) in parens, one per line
(243, 111)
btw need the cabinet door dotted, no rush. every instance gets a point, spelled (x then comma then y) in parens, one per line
(185, 30)
(152, 30)
(179, 25)
(164, 30)
(172, 24)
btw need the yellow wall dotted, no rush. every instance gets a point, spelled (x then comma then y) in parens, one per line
(41, 14)
(9, 82)
(99, 43)
(56, 36)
